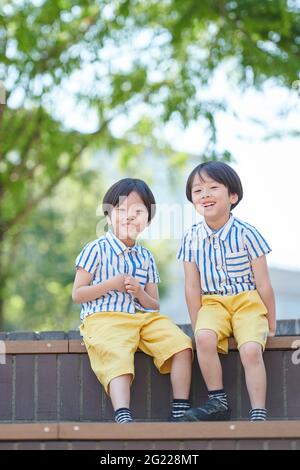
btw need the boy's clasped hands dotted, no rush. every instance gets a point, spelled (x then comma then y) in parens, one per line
(125, 283)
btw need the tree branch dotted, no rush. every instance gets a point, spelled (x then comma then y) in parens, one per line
(20, 216)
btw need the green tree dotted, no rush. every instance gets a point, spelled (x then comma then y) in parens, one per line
(42, 273)
(141, 60)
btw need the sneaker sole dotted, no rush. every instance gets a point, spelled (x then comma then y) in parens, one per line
(204, 418)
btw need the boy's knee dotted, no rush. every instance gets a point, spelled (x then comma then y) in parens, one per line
(250, 353)
(206, 340)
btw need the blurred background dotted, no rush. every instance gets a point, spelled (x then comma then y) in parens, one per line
(100, 90)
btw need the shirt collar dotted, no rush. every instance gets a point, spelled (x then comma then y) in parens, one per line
(117, 245)
(221, 233)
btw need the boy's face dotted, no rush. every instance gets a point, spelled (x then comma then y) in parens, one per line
(129, 218)
(212, 199)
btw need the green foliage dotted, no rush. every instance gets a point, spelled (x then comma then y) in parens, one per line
(144, 62)
(42, 272)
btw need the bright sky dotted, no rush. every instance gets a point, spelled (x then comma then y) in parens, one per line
(269, 170)
(270, 175)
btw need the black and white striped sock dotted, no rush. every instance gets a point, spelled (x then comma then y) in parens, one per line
(123, 415)
(179, 407)
(220, 395)
(258, 414)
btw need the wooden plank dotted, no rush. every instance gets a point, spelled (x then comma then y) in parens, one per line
(28, 431)
(277, 343)
(76, 346)
(284, 342)
(37, 347)
(180, 431)
(150, 431)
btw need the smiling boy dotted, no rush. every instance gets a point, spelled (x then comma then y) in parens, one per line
(227, 287)
(116, 283)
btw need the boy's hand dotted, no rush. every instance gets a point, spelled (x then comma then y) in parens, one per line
(133, 286)
(272, 328)
(118, 282)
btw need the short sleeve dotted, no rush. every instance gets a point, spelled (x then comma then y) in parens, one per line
(89, 257)
(186, 251)
(152, 275)
(255, 243)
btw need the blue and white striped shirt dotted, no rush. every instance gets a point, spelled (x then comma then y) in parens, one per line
(224, 257)
(107, 257)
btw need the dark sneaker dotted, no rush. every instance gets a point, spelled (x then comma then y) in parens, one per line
(212, 410)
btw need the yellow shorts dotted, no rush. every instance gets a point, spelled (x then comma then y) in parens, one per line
(112, 338)
(243, 316)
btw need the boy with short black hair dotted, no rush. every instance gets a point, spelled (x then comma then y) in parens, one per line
(227, 287)
(116, 282)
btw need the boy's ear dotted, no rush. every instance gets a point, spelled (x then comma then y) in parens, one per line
(233, 198)
(108, 223)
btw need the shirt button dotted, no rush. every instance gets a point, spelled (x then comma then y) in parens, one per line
(216, 246)
(219, 267)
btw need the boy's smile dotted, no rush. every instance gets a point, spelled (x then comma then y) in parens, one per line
(212, 200)
(207, 204)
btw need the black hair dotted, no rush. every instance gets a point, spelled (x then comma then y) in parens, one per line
(220, 172)
(123, 188)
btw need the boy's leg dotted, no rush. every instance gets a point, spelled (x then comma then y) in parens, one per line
(250, 328)
(216, 408)
(181, 376)
(256, 381)
(171, 349)
(111, 340)
(208, 358)
(119, 391)
(211, 333)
